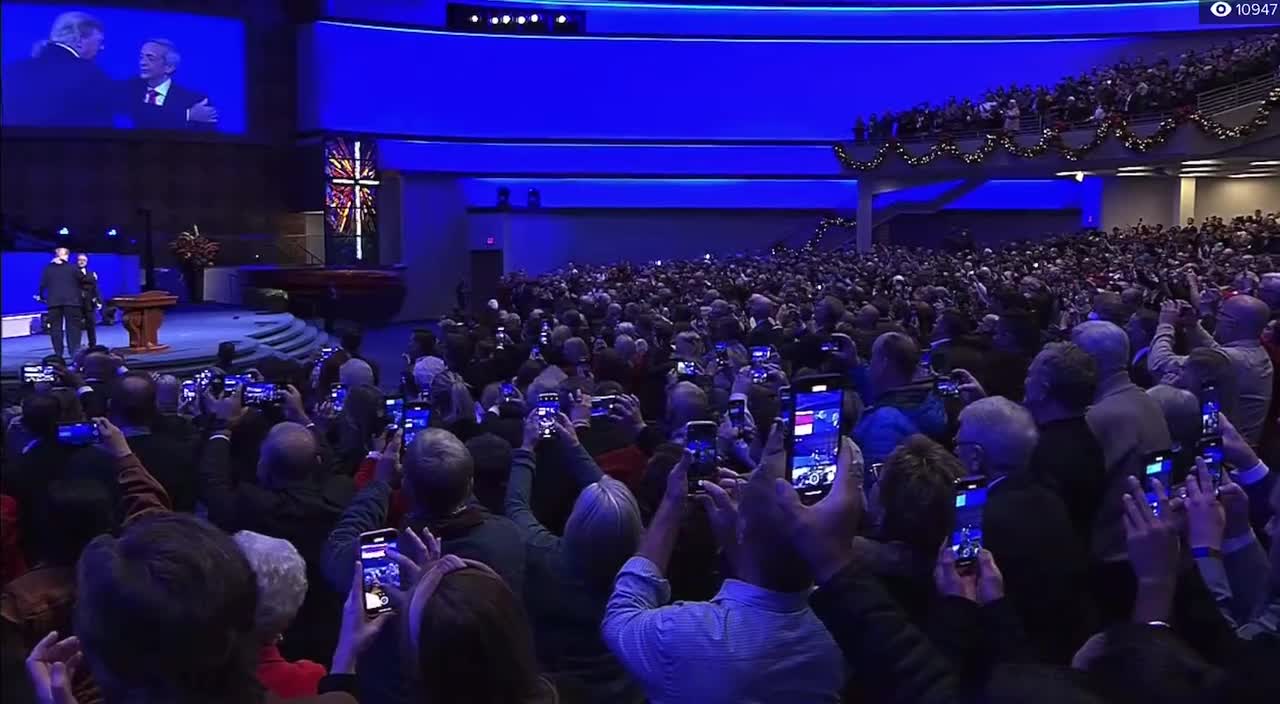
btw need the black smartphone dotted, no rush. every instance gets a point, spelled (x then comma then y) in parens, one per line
(966, 532)
(686, 370)
(814, 438)
(378, 569)
(231, 383)
(547, 409)
(393, 409)
(830, 346)
(759, 357)
(417, 417)
(1211, 452)
(326, 352)
(601, 405)
(38, 374)
(500, 338)
(80, 434)
(338, 396)
(784, 407)
(722, 353)
(1157, 465)
(738, 413)
(1209, 409)
(261, 394)
(508, 391)
(926, 358)
(190, 388)
(946, 388)
(700, 443)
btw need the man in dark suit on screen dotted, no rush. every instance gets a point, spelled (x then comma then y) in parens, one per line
(59, 85)
(60, 290)
(155, 100)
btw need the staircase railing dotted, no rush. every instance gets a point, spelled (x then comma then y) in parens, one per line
(1236, 95)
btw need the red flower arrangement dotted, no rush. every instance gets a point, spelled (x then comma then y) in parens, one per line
(194, 249)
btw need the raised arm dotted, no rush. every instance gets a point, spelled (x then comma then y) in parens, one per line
(140, 493)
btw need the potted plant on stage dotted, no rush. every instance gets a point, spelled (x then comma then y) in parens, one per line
(195, 252)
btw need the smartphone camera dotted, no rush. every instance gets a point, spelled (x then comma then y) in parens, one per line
(378, 570)
(500, 338)
(1211, 453)
(947, 388)
(813, 442)
(338, 397)
(393, 409)
(508, 391)
(38, 374)
(700, 443)
(1209, 410)
(738, 413)
(417, 417)
(602, 405)
(1157, 465)
(261, 394)
(189, 390)
(81, 434)
(548, 407)
(830, 346)
(966, 533)
(686, 370)
(231, 384)
(722, 353)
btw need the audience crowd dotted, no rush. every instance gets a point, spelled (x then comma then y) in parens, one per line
(209, 550)
(1129, 87)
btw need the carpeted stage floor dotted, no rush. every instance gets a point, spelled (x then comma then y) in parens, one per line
(193, 335)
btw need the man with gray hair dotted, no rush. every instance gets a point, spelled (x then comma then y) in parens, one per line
(156, 101)
(1060, 385)
(59, 85)
(1127, 423)
(435, 486)
(1022, 523)
(281, 575)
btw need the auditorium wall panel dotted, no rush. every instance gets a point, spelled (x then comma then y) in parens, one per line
(436, 83)
(1236, 196)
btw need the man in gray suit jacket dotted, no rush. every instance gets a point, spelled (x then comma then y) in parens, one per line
(1127, 422)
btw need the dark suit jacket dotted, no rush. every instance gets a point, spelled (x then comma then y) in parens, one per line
(56, 88)
(1069, 460)
(300, 512)
(90, 296)
(1027, 529)
(172, 115)
(60, 285)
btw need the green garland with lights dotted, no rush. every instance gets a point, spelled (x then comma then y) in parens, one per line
(1051, 140)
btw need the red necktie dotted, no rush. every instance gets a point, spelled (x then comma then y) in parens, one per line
(151, 96)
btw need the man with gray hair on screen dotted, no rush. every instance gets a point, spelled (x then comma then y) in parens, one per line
(155, 99)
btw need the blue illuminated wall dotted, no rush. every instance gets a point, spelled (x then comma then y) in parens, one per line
(865, 18)
(430, 83)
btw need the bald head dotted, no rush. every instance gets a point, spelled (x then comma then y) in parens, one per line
(133, 399)
(1241, 318)
(1106, 342)
(686, 402)
(288, 454)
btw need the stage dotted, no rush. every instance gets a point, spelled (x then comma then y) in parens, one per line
(193, 334)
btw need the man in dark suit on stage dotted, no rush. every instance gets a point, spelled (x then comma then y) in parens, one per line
(60, 290)
(90, 297)
(59, 85)
(154, 100)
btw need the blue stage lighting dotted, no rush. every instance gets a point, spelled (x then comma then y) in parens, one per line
(112, 232)
(64, 231)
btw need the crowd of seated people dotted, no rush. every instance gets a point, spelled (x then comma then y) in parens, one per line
(1130, 87)
(550, 546)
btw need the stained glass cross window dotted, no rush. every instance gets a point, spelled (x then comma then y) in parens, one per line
(351, 198)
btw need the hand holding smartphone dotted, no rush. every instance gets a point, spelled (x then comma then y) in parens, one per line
(79, 434)
(813, 440)
(700, 443)
(379, 570)
(966, 531)
(417, 417)
(547, 409)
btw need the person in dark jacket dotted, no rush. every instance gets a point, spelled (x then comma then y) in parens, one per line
(90, 298)
(569, 578)
(60, 291)
(1060, 385)
(155, 100)
(59, 85)
(295, 497)
(437, 484)
(900, 406)
(1022, 523)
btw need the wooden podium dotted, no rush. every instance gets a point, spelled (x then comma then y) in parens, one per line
(143, 315)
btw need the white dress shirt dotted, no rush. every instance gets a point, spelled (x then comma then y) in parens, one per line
(161, 91)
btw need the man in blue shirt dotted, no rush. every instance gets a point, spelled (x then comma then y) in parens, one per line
(756, 640)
